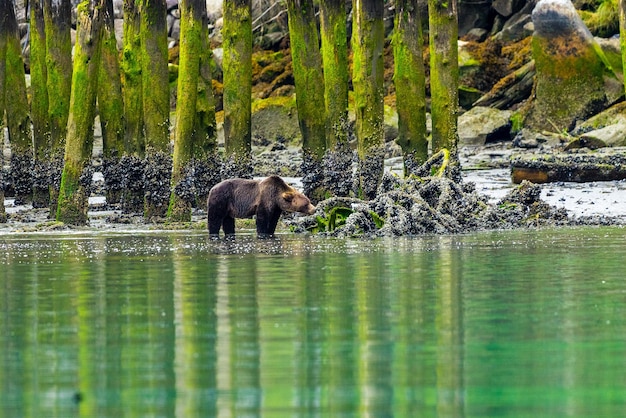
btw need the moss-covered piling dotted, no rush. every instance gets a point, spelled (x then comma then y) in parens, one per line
(16, 106)
(410, 83)
(309, 79)
(58, 25)
(77, 170)
(195, 114)
(444, 74)
(39, 105)
(156, 106)
(237, 69)
(3, 49)
(333, 33)
(134, 140)
(367, 79)
(337, 162)
(131, 80)
(111, 108)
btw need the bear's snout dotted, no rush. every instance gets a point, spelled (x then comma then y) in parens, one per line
(309, 210)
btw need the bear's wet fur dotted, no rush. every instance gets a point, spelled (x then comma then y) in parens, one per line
(245, 198)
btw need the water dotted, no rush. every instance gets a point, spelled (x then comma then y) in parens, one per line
(499, 324)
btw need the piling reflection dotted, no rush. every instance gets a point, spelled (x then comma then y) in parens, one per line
(242, 332)
(195, 307)
(449, 329)
(175, 325)
(339, 325)
(375, 340)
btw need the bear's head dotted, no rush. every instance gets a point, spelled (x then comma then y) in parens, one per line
(294, 201)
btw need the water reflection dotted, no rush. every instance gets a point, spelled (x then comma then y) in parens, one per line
(196, 325)
(496, 324)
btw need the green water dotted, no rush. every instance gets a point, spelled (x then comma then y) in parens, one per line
(503, 324)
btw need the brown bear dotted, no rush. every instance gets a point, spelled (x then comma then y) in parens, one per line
(243, 198)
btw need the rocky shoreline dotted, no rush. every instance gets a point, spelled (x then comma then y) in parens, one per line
(497, 73)
(486, 199)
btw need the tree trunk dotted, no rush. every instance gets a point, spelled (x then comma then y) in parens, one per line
(444, 74)
(134, 143)
(156, 107)
(111, 109)
(237, 68)
(77, 169)
(410, 83)
(58, 24)
(192, 24)
(39, 105)
(17, 111)
(309, 80)
(338, 159)
(367, 80)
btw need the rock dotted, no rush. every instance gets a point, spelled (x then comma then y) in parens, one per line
(218, 57)
(468, 96)
(287, 90)
(473, 15)
(582, 142)
(612, 135)
(523, 140)
(275, 120)
(214, 6)
(526, 138)
(518, 26)
(507, 7)
(271, 41)
(484, 124)
(574, 79)
(476, 35)
(616, 114)
(427, 205)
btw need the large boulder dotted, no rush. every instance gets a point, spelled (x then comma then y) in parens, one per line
(574, 79)
(473, 15)
(484, 124)
(519, 25)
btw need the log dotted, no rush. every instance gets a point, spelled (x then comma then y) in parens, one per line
(578, 167)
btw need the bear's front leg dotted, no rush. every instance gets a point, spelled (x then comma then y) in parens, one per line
(229, 225)
(266, 221)
(214, 223)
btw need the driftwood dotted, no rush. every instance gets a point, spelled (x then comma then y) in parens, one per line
(514, 88)
(593, 166)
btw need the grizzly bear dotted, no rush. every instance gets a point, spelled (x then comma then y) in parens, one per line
(243, 198)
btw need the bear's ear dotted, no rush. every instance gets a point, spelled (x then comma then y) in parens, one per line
(288, 196)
